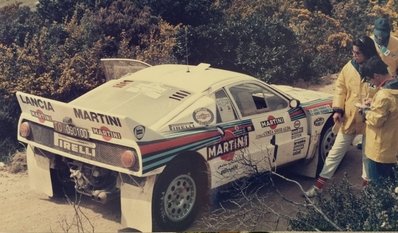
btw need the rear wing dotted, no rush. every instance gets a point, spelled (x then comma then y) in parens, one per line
(87, 123)
(115, 68)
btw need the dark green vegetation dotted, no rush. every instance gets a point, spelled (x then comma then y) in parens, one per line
(54, 50)
(374, 208)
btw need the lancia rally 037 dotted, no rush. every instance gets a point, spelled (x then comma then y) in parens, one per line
(160, 137)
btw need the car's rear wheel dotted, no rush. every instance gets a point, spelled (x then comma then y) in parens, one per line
(325, 144)
(177, 197)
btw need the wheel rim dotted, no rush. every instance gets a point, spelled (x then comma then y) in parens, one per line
(180, 198)
(327, 143)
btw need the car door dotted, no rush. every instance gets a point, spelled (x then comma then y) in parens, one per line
(228, 158)
(279, 134)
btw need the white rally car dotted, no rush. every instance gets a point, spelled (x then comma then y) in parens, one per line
(160, 138)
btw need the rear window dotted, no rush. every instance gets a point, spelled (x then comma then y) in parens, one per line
(142, 101)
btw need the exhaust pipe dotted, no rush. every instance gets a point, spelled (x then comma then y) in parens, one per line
(100, 195)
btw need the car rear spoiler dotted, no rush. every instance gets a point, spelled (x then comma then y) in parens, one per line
(115, 68)
(103, 126)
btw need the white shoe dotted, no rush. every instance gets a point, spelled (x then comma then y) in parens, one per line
(312, 192)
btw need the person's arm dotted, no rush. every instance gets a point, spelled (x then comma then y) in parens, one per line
(339, 97)
(378, 112)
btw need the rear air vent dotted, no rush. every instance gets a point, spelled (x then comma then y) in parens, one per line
(179, 95)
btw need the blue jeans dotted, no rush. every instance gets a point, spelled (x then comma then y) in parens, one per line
(378, 172)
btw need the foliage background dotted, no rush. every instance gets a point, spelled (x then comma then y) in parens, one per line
(52, 48)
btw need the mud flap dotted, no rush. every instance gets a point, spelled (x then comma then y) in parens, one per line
(39, 172)
(136, 205)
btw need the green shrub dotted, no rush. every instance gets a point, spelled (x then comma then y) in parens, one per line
(373, 209)
(256, 45)
(18, 24)
(59, 57)
(184, 12)
(8, 128)
(55, 50)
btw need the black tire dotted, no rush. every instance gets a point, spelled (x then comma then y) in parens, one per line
(178, 196)
(61, 185)
(325, 144)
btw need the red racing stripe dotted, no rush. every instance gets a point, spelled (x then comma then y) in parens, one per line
(175, 142)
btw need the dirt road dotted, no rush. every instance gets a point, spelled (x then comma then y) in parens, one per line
(22, 210)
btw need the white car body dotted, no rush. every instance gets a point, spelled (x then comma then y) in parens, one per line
(167, 116)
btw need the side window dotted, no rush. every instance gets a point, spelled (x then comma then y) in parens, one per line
(225, 111)
(253, 99)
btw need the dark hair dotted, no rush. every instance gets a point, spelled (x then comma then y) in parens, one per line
(373, 65)
(366, 46)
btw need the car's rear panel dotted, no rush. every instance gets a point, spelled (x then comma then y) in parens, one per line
(80, 133)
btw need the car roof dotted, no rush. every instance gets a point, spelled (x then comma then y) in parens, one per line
(191, 78)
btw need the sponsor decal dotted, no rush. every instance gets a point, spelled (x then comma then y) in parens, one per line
(296, 133)
(203, 116)
(298, 146)
(139, 132)
(36, 102)
(272, 122)
(41, 116)
(296, 124)
(228, 168)
(324, 109)
(319, 121)
(181, 126)
(273, 132)
(97, 117)
(156, 154)
(106, 133)
(227, 147)
(296, 113)
(75, 146)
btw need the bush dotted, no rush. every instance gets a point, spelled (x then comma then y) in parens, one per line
(373, 209)
(18, 24)
(54, 51)
(184, 12)
(8, 128)
(256, 45)
(60, 57)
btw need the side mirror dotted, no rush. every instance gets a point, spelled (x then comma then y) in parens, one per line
(294, 103)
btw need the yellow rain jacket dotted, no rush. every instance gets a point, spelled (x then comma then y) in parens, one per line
(349, 90)
(391, 57)
(382, 125)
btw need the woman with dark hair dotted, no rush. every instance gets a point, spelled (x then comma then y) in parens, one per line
(364, 43)
(349, 90)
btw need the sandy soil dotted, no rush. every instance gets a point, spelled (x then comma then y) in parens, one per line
(22, 210)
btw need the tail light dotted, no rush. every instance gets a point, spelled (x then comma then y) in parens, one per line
(128, 158)
(24, 129)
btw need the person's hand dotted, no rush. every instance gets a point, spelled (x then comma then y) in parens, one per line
(337, 117)
(366, 102)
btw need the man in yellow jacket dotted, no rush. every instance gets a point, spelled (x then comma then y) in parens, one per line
(386, 44)
(381, 147)
(349, 90)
